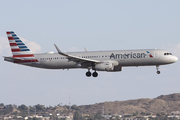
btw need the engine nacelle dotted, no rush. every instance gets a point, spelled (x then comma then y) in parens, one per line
(110, 66)
(117, 68)
(105, 66)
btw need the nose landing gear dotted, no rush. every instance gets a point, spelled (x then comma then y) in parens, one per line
(157, 67)
(158, 72)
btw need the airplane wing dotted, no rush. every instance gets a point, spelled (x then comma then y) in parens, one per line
(76, 58)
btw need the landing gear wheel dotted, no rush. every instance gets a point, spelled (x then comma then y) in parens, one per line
(158, 72)
(88, 74)
(95, 74)
(157, 67)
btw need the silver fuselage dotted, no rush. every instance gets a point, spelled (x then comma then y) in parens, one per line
(123, 57)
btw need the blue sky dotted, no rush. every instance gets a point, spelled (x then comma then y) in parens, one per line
(96, 25)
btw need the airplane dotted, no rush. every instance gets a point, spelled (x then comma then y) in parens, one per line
(110, 61)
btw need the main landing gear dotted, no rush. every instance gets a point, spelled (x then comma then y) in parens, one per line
(94, 74)
(157, 67)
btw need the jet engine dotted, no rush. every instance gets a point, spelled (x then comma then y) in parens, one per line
(110, 66)
(105, 66)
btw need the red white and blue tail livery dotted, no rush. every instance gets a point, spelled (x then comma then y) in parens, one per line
(110, 61)
(21, 53)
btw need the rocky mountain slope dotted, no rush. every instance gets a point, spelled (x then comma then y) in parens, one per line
(163, 103)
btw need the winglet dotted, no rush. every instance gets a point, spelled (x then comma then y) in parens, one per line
(59, 51)
(85, 49)
(75, 57)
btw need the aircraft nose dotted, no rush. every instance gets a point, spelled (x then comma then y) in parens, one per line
(175, 59)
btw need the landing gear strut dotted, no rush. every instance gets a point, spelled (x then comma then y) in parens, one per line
(157, 67)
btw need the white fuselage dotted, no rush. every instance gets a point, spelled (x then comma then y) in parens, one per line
(110, 61)
(123, 57)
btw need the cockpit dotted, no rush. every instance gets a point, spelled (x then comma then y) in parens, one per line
(167, 53)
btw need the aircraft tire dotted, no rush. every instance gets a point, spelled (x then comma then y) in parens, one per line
(95, 74)
(88, 74)
(158, 72)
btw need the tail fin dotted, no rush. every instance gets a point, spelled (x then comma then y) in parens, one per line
(21, 53)
(18, 48)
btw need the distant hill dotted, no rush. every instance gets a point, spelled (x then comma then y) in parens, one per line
(171, 97)
(137, 107)
(163, 103)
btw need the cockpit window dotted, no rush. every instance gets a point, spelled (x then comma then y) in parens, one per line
(167, 53)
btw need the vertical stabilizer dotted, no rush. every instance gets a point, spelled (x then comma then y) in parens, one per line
(19, 49)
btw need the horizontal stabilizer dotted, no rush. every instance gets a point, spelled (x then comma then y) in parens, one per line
(13, 58)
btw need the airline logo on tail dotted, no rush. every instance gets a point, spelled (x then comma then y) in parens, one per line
(19, 49)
